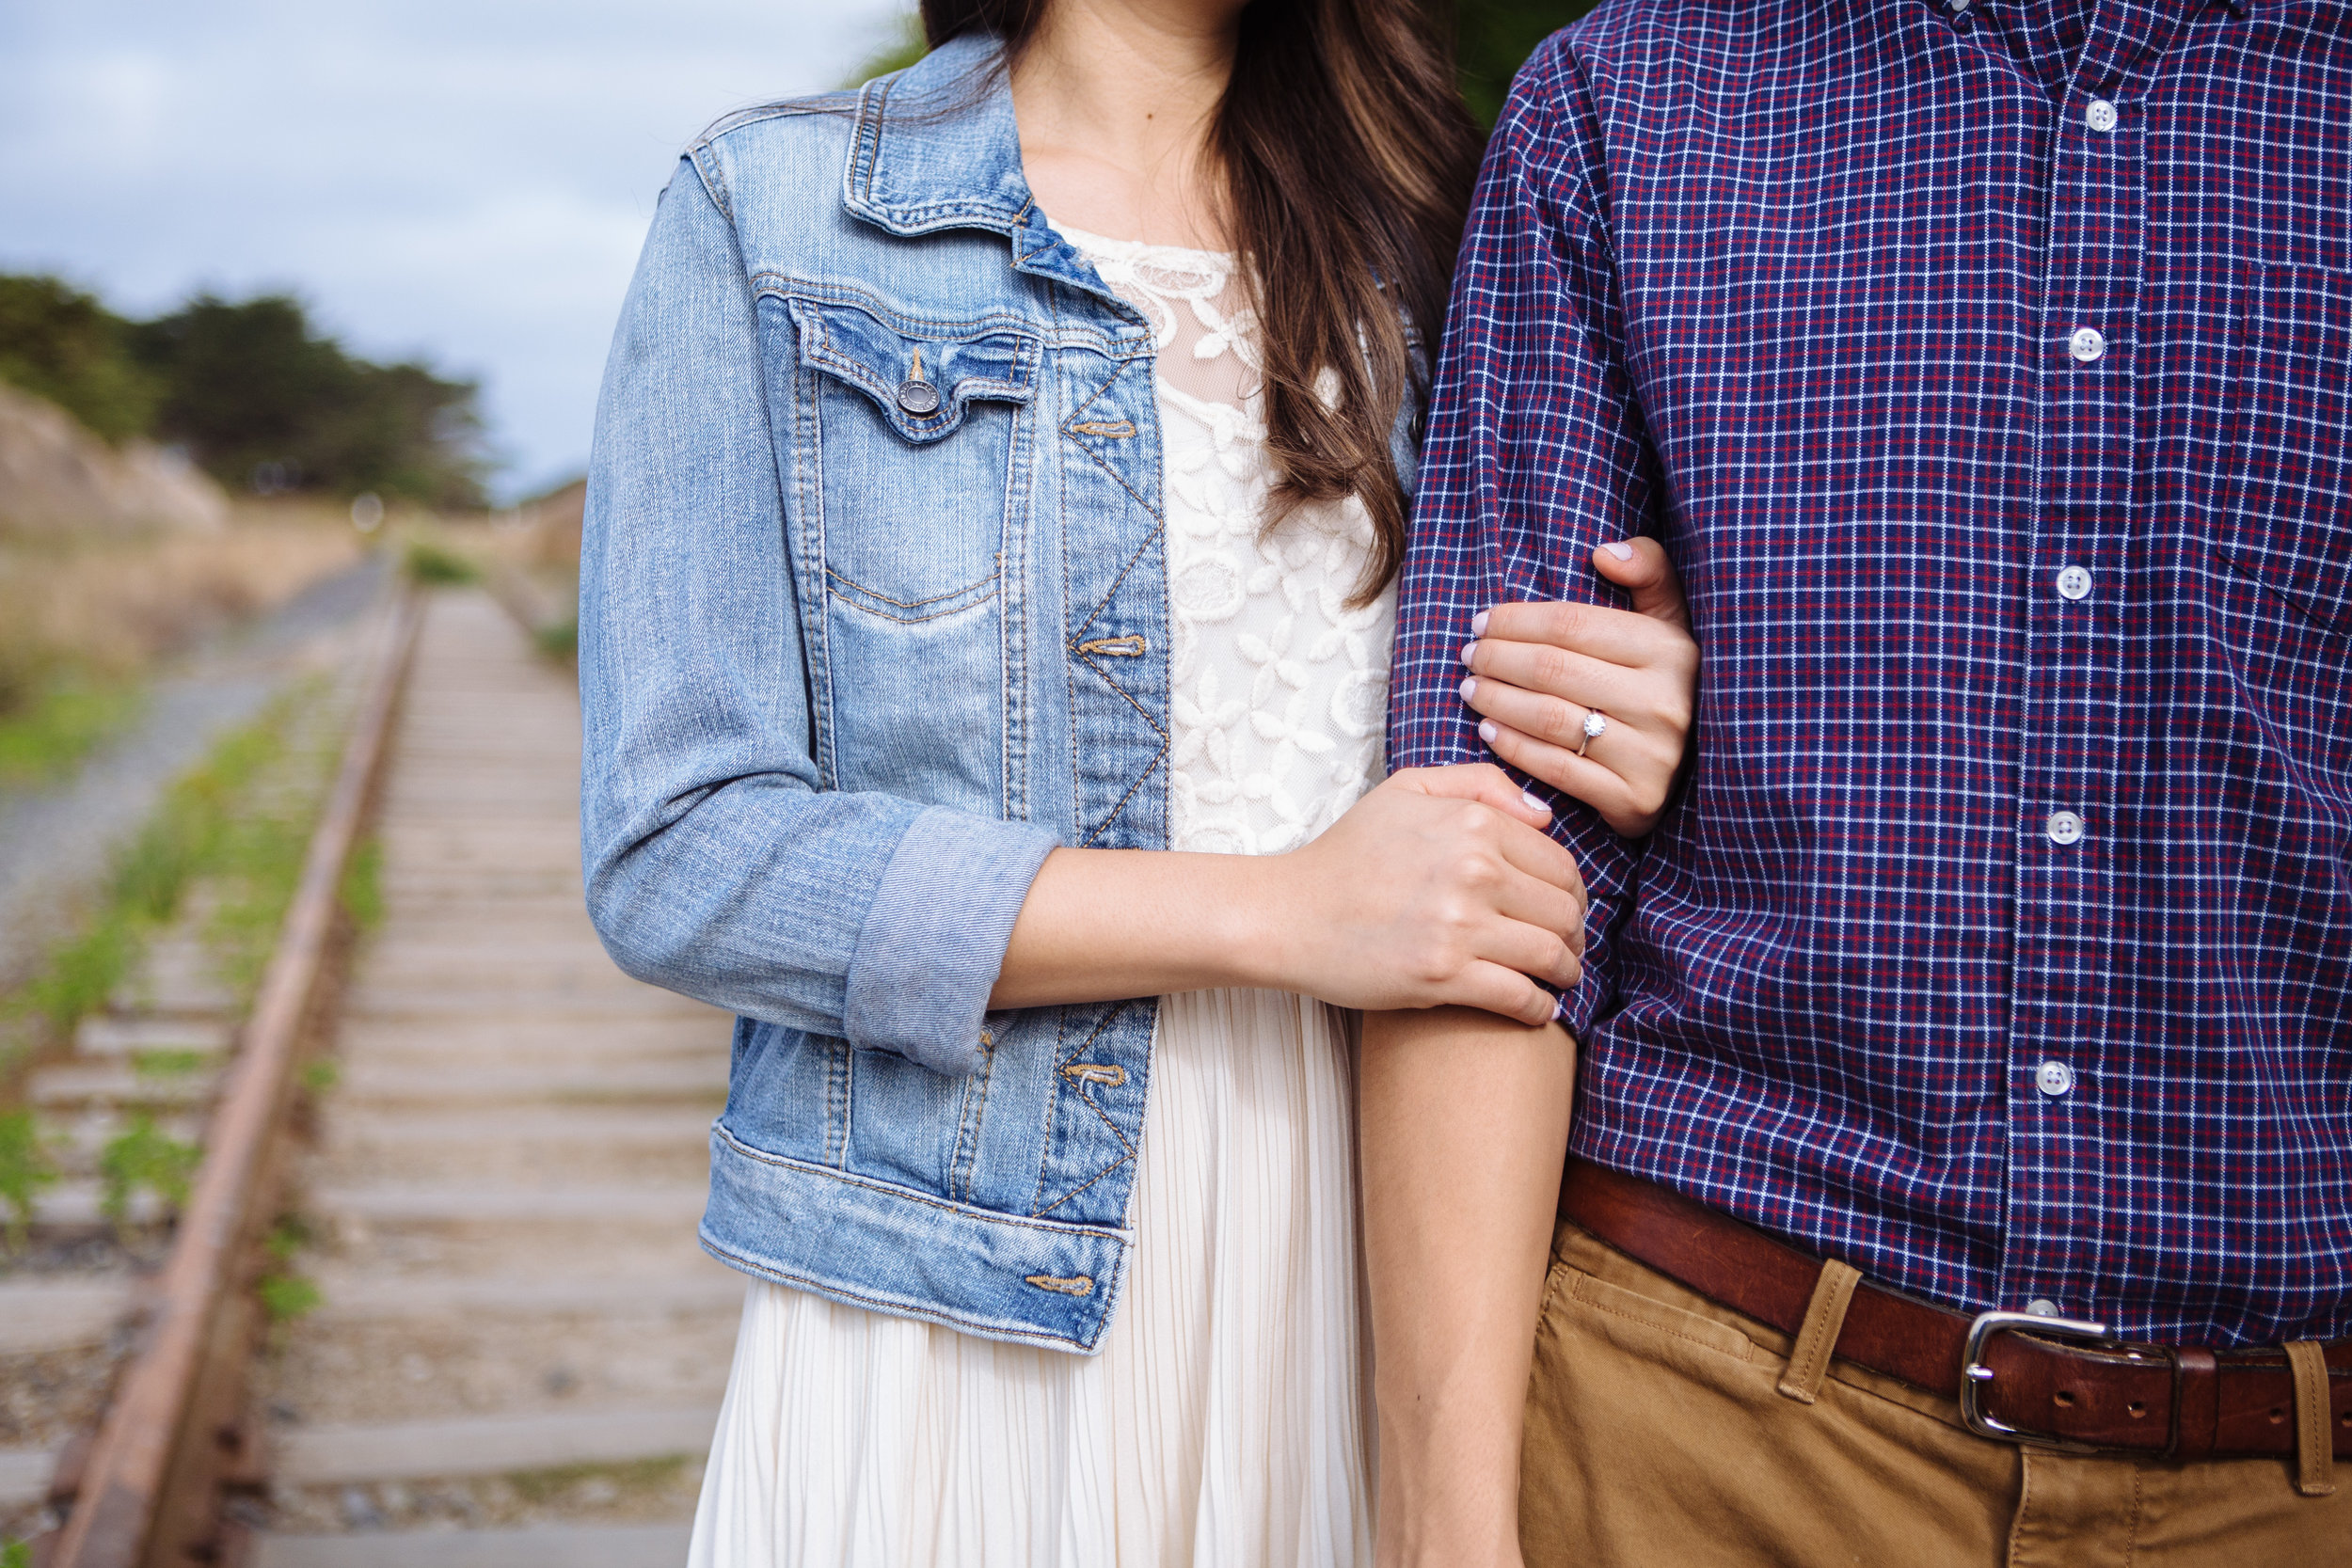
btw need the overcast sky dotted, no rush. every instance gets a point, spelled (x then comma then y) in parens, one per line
(463, 179)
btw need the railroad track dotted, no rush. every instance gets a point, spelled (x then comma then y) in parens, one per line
(443, 1304)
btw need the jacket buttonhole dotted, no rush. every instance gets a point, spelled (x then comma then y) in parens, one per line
(1130, 646)
(1095, 1072)
(1116, 429)
(1073, 1285)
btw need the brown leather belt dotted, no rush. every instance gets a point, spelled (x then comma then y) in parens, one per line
(2035, 1380)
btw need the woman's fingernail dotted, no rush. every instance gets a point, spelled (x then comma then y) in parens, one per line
(1468, 649)
(1487, 731)
(1622, 550)
(1478, 623)
(1469, 687)
(1532, 803)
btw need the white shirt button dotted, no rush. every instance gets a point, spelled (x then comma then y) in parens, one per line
(2086, 344)
(2043, 1306)
(2074, 583)
(2065, 828)
(2054, 1079)
(2100, 116)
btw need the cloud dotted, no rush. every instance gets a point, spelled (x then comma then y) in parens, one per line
(466, 182)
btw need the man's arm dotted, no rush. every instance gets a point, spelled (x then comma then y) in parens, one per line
(1535, 455)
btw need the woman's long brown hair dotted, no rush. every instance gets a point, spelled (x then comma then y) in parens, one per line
(1347, 158)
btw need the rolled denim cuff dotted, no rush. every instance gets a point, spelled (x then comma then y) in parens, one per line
(934, 936)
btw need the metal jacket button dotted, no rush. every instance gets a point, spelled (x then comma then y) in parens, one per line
(916, 394)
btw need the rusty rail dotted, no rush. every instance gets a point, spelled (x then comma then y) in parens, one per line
(124, 1480)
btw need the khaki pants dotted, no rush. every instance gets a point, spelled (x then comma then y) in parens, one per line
(1658, 1437)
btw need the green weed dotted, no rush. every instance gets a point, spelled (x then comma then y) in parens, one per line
(193, 831)
(430, 565)
(559, 640)
(363, 885)
(168, 1064)
(16, 1554)
(60, 724)
(25, 1168)
(141, 1158)
(286, 1297)
(321, 1075)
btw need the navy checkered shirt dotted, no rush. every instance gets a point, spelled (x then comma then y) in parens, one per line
(1984, 369)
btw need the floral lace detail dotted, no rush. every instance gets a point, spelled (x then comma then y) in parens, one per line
(1279, 689)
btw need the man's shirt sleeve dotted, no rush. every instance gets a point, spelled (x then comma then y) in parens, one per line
(1535, 453)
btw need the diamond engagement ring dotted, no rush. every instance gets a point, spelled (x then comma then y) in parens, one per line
(1595, 724)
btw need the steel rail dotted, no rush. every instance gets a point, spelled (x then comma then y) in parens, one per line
(124, 1481)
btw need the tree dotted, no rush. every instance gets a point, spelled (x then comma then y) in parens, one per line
(1496, 38)
(264, 402)
(59, 343)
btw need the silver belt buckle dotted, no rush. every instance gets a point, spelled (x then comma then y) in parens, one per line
(1975, 1374)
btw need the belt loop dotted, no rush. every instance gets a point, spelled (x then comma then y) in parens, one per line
(1824, 1320)
(2314, 1444)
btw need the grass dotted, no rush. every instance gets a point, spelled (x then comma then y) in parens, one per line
(62, 722)
(197, 828)
(559, 639)
(83, 616)
(141, 1158)
(239, 822)
(285, 1295)
(433, 565)
(24, 1170)
(553, 1484)
(363, 885)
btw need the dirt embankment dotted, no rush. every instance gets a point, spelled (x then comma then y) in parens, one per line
(111, 557)
(58, 479)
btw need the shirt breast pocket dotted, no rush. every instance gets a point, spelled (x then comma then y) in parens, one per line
(2280, 562)
(912, 426)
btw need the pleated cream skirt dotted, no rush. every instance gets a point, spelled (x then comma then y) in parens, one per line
(1224, 1423)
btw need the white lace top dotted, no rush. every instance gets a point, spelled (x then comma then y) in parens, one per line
(1225, 1420)
(1280, 690)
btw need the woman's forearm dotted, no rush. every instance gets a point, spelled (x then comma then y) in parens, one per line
(1104, 924)
(1465, 1126)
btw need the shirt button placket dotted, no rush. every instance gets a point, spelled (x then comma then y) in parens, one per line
(2066, 914)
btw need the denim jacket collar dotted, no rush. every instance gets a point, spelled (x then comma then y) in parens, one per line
(937, 148)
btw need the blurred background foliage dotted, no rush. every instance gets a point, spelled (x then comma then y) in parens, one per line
(251, 390)
(1496, 38)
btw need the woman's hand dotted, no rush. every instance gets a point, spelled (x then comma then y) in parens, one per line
(1438, 887)
(1536, 671)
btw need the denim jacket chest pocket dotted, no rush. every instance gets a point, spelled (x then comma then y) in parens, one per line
(915, 432)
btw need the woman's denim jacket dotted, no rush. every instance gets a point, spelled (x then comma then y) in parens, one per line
(873, 616)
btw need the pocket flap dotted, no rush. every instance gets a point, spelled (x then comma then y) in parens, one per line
(955, 367)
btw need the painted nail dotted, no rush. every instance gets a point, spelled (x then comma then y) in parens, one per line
(1622, 550)
(1469, 687)
(1532, 803)
(1487, 731)
(1468, 649)
(1478, 623)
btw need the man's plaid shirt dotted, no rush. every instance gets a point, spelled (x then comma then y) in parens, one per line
(1987, 370)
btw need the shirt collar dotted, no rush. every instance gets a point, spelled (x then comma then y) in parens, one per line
(937, 148)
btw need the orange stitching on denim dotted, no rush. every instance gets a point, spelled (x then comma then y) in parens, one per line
(853, 583)
(908, 1194)
(1130, 646)
(786, 1276)
(1082, 1186)
(1074, 1285)
(1095, 1072)
(1115, 429)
